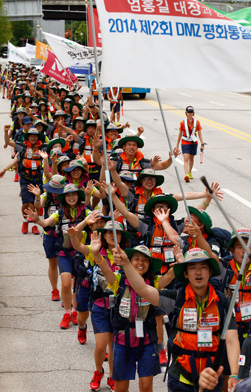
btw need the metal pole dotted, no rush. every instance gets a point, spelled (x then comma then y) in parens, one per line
(99, 88)
(173, 157)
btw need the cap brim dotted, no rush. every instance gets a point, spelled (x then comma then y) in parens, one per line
(69, 169)
(178, 268)
(159, 179)
(53, 190)
(172, 204)
(136, 139)
(52, 143)
(155, 264)
(81, 194)
(230, 244)
(196, 212)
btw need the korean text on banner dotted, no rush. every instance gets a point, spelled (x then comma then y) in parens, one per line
(17, 56)
(41, 51)
(54, 69)
(30, 50)
(173, 44)
(97, 28)
(70, 53)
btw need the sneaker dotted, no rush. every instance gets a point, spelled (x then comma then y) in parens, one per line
(55, 295)
(111, 383)
(25, 227)
(3, 97)
(74, 318)
(16, 177)
(106, 357)
(186, 178)
(65, 321)
(41, 211)
(162, 357)
(35, 230)
(96, 380)
(82, 335)
(30, 220)
(190, 176)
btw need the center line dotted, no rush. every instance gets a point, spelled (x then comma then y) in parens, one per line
(237, 197)
(221, 104)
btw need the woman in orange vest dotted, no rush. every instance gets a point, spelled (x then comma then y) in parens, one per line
(190, 128)
(198, 317)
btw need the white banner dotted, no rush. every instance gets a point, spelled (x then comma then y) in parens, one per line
(70, 53)
(30, 50)
(17, 55)
(172, 44)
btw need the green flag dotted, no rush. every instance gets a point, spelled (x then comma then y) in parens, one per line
(243, 16)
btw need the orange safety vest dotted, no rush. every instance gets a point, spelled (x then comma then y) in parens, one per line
(135, 167)
(187, 325)
(88, 149)
(94, 91)
(114, 94)
(31, 158)
(51, 105)
(139, 208)
(244, 293)
(160, 245)
(194, 243)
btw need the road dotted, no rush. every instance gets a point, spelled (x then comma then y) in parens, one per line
(35, 354)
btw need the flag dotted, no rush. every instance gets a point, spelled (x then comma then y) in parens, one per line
(41, 51)
(54, 69)
(242, 17)
(179, 44)
(17, 56)
(98, 35)
(69, 53)
(30, 50)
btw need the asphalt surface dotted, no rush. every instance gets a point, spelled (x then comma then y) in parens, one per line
(35, 354)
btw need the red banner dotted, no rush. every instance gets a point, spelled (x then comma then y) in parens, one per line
(54, 69)
(163, 7)
(97, 28)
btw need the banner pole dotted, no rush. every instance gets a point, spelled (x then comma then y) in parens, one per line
(99, 87)
(173, 157)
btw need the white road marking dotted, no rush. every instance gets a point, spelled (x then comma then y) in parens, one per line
(237, 197)
(239, 94)
(185, 95)
(182, 163)
(134, 132)
(216, 103)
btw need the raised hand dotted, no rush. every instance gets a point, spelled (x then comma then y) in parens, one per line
(95, 242)
(43, 154)
(155, 160)
(161, 215)
(119, 256)
(31, 214)
(72, 232)
(34, 189)
(178, 254)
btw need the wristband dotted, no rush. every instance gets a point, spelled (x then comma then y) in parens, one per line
(206, 205)
(37, 199)
(87, 221)
(36, 220)
(95, 150)
(102, 259)
(202, 144)
(234, 376)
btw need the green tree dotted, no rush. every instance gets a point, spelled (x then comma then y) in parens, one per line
(5, 29)
(21, 30)
(78, 28)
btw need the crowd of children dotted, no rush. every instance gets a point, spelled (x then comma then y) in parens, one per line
(165, 272)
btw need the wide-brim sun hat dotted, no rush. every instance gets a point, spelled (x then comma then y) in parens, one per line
(75, 104)
(118, 227)
(155, 264)
(195, 255)
(45, 126)
(73, 165)
(56, 184)
(20, 110)
(168, 199)
(243, 233)
(203, 217)
(70, 188)
(150, 173)
(88, 123)
(60, 140)
(79, 118)
(62, 159)
(65, 100)
(113, 126)
(33, 131)
(129, 138)
(126, 175)
(60, 113)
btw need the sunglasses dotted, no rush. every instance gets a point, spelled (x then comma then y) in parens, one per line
(91, 106)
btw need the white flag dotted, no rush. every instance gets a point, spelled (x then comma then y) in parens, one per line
(172, 44)
(17, 55)
(70, 53)
(30, 50)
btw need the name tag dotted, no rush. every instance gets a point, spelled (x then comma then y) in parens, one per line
(245, 310)
(139, 327)
(190, 319)
(209, 321)
(56, 135)
(158, 242)
(76, 146)
(205, 337)
(29, 153)
(169, 256)
(53, 209)
(33, 165)
(124, 307)
(125, 166)
(65, 228)
(143, 302)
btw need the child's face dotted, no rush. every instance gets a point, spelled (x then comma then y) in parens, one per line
(64, 165)
(71, 199)
(198, 274)
(238, 251)
(108, 236)
(33, 139)
(112, 134)
(100, 224)
(90, 130)
(190, 115)
(140, 263)
(76, 173)
(42, 108)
